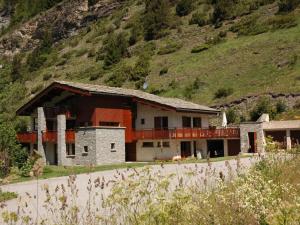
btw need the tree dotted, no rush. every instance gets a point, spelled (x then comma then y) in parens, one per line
(184, 7)
(156, 18)
(16, 68)
(115, 49)
(263, 106)
(10, 151)
(288, 5)
(232, 116)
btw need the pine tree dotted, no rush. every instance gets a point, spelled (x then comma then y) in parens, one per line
(156, 18)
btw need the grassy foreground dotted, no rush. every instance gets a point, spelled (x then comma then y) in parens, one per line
(5, 196)
(60, 171)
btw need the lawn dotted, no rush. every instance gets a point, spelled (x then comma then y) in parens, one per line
(60, 171)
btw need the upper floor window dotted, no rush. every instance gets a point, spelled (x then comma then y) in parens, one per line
(186, 122)
(143, 121)
(197, 122)
(161, 122)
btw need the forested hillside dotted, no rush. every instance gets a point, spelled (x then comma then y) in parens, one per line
(206, 51)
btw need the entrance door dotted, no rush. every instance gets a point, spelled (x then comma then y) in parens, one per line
(215, 148)
(252, 142)
(186, 149)
(130, 152)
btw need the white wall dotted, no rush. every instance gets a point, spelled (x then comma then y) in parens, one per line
(175, 118)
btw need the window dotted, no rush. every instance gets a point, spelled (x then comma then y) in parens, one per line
(109, 124)
(70, 149)
(165, 144)
(143, 121)
(186, 122)
(161, 122)
(197, 122)
(113, 147)
(148, 145)
(86, 149)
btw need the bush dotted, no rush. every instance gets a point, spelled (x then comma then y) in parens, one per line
(223, 92)
(47, 76)
(81, 52)
(200, 48)
(184, 7)
(297, 104)
(115, 49)
(163, 71)
(199, 19)
(16, 68)
(262, 106)
(282, 22)
(36, 88)
(232, 116)
(288, 5)
(26, 168)
(119, 77)
(169, 48)
(156, 18)
(281, 106)
(95, 76)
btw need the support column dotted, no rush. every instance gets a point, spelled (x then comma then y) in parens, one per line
(61, 139)
(41, 128)
(225, 147)
(288, 140)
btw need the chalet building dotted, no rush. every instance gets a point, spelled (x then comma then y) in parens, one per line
(83, 124)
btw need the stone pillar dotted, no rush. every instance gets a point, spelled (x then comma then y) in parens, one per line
(42, 127)
(225, 147)
(288, 140)
(61, 139)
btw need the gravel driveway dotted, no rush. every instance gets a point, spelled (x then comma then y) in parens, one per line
(35, 190)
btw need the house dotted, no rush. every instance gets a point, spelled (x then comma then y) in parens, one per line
(82, 124)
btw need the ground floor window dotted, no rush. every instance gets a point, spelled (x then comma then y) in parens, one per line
(70, 149)
(165, 144)
(148, 145)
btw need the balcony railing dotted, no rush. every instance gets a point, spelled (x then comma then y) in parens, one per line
(187, 133)
(50, 136)
(47, 136)
(27, 137)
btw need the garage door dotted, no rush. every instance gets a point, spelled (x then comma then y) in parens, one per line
(234, 147)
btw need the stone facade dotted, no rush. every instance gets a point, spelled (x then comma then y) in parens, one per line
(100, 145)
(110, 145)
(257, 128)
(41, 128)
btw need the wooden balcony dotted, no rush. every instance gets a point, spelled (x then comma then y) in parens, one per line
(48, 136)
(187, 133)
(27, 137)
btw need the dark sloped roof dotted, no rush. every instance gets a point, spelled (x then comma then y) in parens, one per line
(175, 103)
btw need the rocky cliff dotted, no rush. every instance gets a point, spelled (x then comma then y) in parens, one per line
(64, 20)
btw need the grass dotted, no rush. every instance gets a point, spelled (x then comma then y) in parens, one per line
(60, 171)
(5, 196)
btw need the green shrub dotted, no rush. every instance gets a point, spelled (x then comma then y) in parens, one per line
(232, 116)
(36, 88)
(81, 52)
(95, 76)
(262, 106)
(119, 77)
(26, 168)
(251, 25)
(288, 5)
(282, 22)
(200, 48)
(16, 68)
(156, 18)
(47, 76)
(62, 62)
(297, 104)
(163, 71)
(115, 49)
(169, 48)
(199, 19)
(281, 106)
(223, 92)
(135, 33)
(184, 7)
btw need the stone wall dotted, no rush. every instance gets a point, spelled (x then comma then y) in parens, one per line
(85, 137)
(245, 128)
(110, 145)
